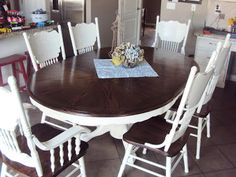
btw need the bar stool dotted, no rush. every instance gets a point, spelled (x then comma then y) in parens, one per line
(16, 61)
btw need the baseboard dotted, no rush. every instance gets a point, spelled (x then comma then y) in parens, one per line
(233, 77)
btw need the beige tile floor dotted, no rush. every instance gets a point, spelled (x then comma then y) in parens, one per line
(218, 155)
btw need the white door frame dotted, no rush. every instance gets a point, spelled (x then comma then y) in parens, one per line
(119, 32)
(88, 11)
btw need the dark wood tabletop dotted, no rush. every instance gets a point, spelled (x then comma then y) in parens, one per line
(72, 86)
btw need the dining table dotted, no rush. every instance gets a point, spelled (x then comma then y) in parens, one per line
(71, 90)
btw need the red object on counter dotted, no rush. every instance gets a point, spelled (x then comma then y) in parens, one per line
(16, 61)
(206, 32)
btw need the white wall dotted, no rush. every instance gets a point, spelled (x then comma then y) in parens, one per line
(12, 45)
(227, 8)
(105, 10)
(182, 13)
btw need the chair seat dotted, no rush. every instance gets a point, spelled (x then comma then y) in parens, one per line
(11, 59)
(206, 109)
(154, 131)
(45, 132)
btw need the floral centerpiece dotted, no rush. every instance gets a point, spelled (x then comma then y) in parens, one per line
(127, 54)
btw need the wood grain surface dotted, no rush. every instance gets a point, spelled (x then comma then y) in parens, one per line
(72, 86)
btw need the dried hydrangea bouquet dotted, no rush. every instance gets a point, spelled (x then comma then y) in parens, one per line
(128, 55)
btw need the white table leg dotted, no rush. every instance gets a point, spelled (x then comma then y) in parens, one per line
(116, 131)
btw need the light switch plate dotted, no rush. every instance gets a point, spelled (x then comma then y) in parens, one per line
(170, 5)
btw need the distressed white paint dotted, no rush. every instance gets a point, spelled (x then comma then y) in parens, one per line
(129, 21)
(44, 47)
(170, 34)
(19, 119)
(84, 36)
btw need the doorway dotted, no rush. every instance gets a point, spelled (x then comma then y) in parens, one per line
(129, 21)
(151, 8)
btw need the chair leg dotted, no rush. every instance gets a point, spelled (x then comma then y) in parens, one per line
(208, 124)
(4, 170)
(185, 158)
(22, 67)
(144, 150)
(15, 74)
(199, 137)
(1, 80)
(82, 167)
(125, 159)
(168, 166)
(43, 118)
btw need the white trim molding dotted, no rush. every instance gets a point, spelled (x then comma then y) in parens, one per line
(233, 77)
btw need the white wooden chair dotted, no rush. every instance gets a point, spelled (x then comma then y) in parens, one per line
(84, 36)
(44, 47)
(202, 113)
(40, 150)
(170, 35)
(204, 109)
(164, 138)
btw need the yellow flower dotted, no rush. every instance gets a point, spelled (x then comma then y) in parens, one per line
(116, 60)
(231, 21)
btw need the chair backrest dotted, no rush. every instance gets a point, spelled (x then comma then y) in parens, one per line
(218, 63)
(45, 47)
(58, 150)
(196, 85)
(212, 62)
(194, 89)
(84, 36)
(170, 34)
(13, 118)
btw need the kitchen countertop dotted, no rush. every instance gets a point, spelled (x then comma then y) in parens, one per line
(213, 36)
(31, 30)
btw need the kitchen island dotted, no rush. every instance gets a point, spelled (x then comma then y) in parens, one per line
(30, 31)
(13, 43)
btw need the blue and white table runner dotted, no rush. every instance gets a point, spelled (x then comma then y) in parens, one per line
(105, 69)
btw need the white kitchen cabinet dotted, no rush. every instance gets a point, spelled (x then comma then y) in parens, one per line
(203, 50)
(205, 45)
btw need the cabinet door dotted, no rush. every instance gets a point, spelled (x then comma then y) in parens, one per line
(204, 48)
(203, 51)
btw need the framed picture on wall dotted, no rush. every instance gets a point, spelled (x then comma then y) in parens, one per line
(188, 1)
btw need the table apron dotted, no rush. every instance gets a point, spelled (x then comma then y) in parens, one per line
(97, 121)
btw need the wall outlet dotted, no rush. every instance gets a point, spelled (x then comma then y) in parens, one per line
(193, 7)
(170, 5)
(217, 9)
